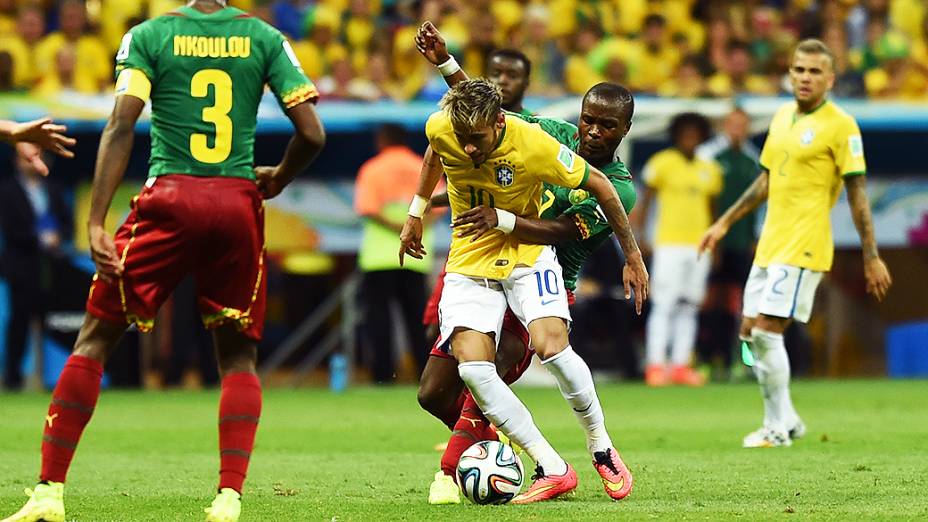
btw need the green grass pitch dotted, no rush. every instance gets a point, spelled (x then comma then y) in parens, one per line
(367, 455)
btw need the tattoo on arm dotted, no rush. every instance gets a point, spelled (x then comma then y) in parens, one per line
(860, 211)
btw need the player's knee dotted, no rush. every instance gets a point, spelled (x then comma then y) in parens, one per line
(746, 324)
(776, 325)
(549, 336)
(430, 399)
(97, 339)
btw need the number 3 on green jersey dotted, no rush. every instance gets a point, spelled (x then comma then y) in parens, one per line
(205, 75)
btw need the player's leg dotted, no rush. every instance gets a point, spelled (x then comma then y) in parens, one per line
(441, 388)
(788, 293)
(232, 293)
(691, 293)
(239, 412)
(538, 297)
(663, 298)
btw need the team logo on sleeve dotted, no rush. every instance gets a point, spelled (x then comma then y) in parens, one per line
(504, 173)
(566, 157)
(807, 136)
(577, 196)
(856, 146)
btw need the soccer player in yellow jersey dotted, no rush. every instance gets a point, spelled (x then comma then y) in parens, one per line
(812, 148)
(499, 160)
(685, 186)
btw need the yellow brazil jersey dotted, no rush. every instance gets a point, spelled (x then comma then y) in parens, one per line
(684, 190)
(807, 157)
(510, 179)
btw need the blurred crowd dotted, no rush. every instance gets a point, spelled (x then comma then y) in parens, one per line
(363, 49)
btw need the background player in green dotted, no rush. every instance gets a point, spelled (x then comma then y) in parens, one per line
(204, 67)
(571, 220)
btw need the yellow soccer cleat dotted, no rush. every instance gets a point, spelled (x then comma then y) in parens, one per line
(444, 491)
(227, 507)
(46, 503)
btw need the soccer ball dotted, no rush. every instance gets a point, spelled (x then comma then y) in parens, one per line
(489, 472)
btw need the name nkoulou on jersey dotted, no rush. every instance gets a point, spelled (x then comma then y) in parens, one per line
(580, 204)
(206, 74)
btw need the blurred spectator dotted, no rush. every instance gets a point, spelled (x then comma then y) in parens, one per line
(7, 16)
(763, 27)
(687, 82)
(656, 60)
(737, 77)
(337, 84)
(30, 26)
(376, 83)
(721, 312)
(62, 79)
(685, 187)
(547, 61)
(93, 68)
(385, 185)
(897, 75)
(359, 31)
(35, 222)
(716, 51)
(6, 72)
(288, 16)
(579, 74)
(481, 43)
(321, 49)
(848, 82)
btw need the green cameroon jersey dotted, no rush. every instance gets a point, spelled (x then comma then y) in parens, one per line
(206, 74)
(579, 204)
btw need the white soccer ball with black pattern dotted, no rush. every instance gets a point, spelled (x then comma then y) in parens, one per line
(489, 472)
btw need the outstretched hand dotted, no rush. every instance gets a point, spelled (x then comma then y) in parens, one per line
(45, 134)
(411, 239)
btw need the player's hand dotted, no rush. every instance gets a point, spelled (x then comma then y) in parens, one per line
(45, 134)
(411, 239)
(431, 44)
(711, 238)
(475, 222)
(269, 182)
(878, 278)
(103, 253)
(635, 277)
(33, 154)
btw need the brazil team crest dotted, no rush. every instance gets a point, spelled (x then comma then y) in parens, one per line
(807, 137)
(504, 173)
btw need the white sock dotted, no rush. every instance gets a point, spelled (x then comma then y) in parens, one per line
(685, 323)
(508, 413)
(576, 384)
(773, 373)
(658, 333)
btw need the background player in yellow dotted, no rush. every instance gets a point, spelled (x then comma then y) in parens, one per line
(499, 160)
(685, 186)
(812, 148)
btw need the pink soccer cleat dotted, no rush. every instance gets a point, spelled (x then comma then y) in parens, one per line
(617, 479)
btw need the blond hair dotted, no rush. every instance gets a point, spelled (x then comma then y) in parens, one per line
(816, 46)
(472, 104)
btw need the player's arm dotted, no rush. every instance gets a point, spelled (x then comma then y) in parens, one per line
(411, 236)
(479, 220)
(875, 271)
(439, 201)
(112, 159)
(635, 275)
(640, 215)
(307, 141)
(747, 203)
(431, 44)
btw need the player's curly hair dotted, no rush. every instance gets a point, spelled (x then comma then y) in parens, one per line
(472, 104)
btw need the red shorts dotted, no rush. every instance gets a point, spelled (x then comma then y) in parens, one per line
(210, 227)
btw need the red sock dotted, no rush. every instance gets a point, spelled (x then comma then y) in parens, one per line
(470, 427)
(239, 410)
(72, 405)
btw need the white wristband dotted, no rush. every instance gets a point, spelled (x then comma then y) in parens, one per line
(505, 221)
(449, 67)
(418, 206)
